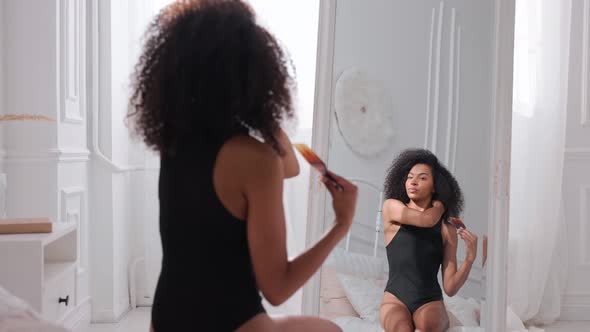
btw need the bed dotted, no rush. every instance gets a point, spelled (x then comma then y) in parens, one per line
(354, 275)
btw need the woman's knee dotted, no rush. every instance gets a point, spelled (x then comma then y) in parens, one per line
(430, 324)
(396, 319)
(402, 326)
(399, 325)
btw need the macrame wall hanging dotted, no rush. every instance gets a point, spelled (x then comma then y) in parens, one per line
(364, 113)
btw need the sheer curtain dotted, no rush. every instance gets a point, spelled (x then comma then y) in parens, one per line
(283, 19)
(537, 249)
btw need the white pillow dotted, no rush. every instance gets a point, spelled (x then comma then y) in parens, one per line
(357, 264)
(466, 329)
(364, 295)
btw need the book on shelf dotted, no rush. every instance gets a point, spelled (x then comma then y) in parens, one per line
(25, 225)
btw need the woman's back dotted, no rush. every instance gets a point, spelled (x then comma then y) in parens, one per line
(206, 264)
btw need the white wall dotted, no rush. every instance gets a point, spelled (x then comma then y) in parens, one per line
(576, 179)
(43, 63)
(407, 46)
(44, 58)
(1, 80)
(125, 205)
(29, 73)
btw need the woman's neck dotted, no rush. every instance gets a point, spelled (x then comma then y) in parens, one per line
(420, 205)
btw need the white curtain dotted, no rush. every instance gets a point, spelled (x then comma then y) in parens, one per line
(537, 249)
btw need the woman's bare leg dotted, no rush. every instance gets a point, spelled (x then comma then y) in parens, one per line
(394, 315)
(263, 323)
(431, 317)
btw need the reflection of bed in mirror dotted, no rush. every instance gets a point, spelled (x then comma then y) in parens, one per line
(354, 275)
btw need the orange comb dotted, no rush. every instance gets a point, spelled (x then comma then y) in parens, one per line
(316, 163)
(457, 223)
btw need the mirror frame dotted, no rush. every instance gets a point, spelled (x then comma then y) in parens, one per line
(501, 126)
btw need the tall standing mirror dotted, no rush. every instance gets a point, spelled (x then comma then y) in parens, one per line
(398, 75)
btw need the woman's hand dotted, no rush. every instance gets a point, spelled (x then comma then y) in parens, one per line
(470, 242)
(290, 164)
(343, 201)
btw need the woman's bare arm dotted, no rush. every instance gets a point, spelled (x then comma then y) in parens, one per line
(277, 277)
(398, 212)
(453, 278)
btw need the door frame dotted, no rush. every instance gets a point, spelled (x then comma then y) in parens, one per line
(501, 126)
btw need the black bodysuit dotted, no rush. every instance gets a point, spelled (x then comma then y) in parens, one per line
(415, 255)
(207, 281)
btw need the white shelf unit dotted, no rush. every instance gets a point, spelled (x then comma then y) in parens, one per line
(41, 269)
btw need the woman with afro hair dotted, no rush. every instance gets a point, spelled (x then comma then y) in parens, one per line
(421, 197)
(211, 92)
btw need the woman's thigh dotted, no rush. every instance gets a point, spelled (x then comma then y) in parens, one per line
(264, 323)
(394, 315)
(431, 317)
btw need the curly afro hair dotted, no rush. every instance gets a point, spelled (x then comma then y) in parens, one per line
(208, 71)
(446, 188)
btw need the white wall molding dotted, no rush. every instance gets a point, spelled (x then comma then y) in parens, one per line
(79, 317)
(584, 233)
(433, 103)
(575, 306)
(60, 155)
(73, 207)
(454, 93)
(108, 316)
(69, 53)
(585, 86)
(433, 100)
(429, 80)
(577, 153)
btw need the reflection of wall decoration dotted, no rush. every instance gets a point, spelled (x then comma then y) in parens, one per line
(364, 113)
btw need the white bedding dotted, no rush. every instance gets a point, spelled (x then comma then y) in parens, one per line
(18, 316)
(363, 279)
(355, 324)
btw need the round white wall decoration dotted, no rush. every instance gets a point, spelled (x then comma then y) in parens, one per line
(364, 113)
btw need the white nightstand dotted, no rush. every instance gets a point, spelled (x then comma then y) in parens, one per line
(41, 269)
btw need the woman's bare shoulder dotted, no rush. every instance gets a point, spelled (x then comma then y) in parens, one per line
(248, 155)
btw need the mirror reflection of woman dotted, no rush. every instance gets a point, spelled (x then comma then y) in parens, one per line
(421, 197)
(210, 76)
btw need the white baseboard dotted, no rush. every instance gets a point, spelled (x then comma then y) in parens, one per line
(575, 312)
(108, 316)
(576, 306)
(79, 317)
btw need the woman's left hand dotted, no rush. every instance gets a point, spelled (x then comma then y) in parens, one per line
(470, 242)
